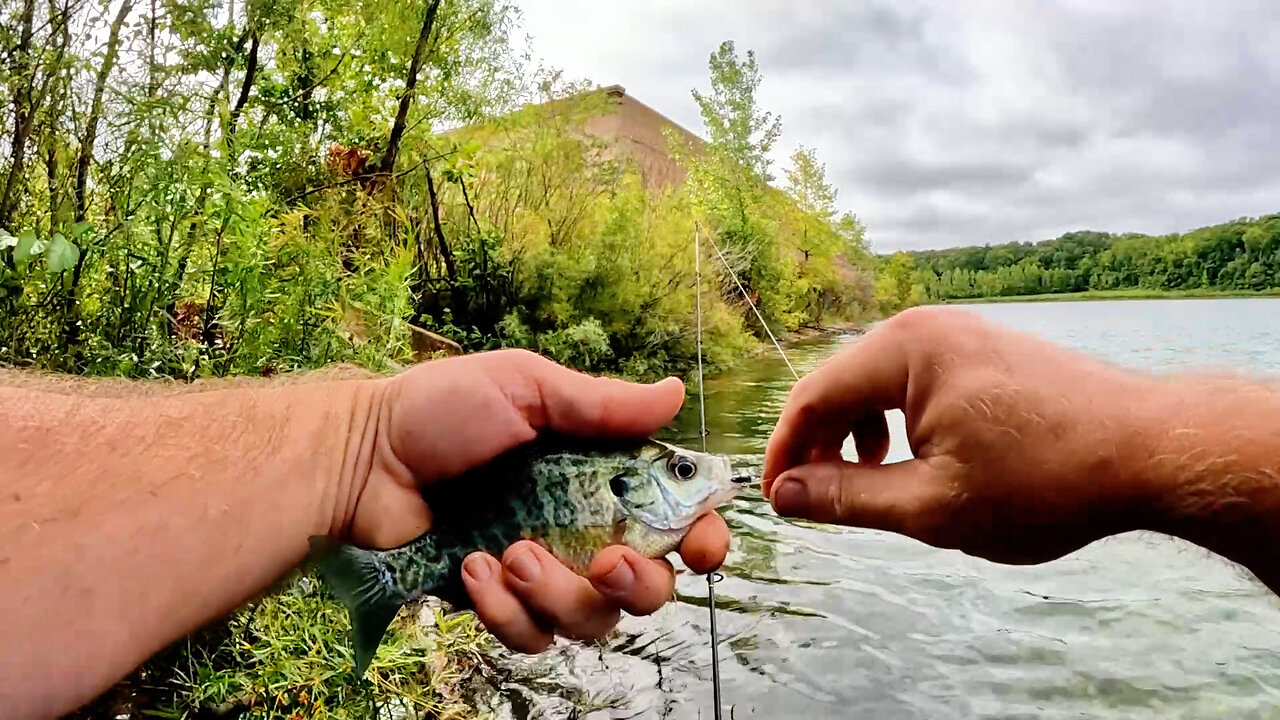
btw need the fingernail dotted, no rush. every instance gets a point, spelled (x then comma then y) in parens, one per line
(524, 566)
(790, 497)
(620, 579)
(477, 568)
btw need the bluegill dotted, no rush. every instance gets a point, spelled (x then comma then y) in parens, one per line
(572, 496)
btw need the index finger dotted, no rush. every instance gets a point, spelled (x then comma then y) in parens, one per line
(871, 376)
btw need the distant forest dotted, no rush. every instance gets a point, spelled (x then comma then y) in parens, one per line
(1242, 255)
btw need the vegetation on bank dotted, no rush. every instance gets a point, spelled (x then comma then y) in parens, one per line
(1130, 294)
(286, 657)
(205, 188)
(200, 188)
(1239, 257)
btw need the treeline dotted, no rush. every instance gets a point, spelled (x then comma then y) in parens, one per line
(197, 187)
(1242, 255)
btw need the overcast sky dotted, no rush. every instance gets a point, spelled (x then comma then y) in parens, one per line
(949, 123)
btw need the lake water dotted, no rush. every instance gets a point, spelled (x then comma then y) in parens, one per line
(825, 622)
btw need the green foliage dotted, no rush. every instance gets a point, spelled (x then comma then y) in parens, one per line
(1127, 294)
(248, 212)
(737, 129)
(807, 184)
(829, 278)
(895, 283)
(798, 262)
(288, 655)
(1242, 255)
(26, 248)
(728, 177)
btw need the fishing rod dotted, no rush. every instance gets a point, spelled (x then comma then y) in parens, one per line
(715, 577)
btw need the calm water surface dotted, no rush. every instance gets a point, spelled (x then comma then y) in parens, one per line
(823, 622)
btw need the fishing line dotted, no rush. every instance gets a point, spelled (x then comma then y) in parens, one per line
(754, 309)
(697, 271)
(715, 577)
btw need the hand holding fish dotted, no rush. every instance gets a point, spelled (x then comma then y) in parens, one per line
(445, 418)
(1025, 451)
(132, 514)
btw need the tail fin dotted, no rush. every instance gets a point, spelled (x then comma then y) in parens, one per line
(363, 585)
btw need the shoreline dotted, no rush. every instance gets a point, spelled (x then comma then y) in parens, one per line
(1128, 294)
(815, 332)
(788, 338)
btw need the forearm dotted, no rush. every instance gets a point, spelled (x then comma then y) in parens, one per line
(1214, 464)
(127, 523)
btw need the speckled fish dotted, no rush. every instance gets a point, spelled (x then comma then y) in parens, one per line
(574, 497)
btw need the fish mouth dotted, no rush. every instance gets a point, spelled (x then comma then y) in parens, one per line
(728, 488)
(723, 489)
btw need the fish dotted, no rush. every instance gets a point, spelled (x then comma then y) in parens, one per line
(573, 496)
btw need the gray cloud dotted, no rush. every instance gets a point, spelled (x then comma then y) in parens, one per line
(947, 123)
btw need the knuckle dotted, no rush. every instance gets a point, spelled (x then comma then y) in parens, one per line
(593, 409)
(929, 324)
(934, 518)
(805, 395)
(841, 500)
(802, 391)
(920, 321)
(520, 358)
(923, 524)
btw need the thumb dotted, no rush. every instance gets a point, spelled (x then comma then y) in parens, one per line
(909, 498)
(550, 396)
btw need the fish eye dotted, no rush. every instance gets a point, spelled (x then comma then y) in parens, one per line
(618, 485)
(682, 467)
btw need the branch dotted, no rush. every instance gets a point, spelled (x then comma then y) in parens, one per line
(95, 110)
(388, 161)
(445, 255)
(250, 72)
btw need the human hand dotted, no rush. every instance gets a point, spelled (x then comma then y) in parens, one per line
(1023, 451)
(445, 417)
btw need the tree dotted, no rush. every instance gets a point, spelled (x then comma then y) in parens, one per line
(895, 284)
(807, 183)
(830, 247)
(1239, 255)
(731, 173)
(737, 129)
(729, 176)
(388, 162)
(30, 82)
